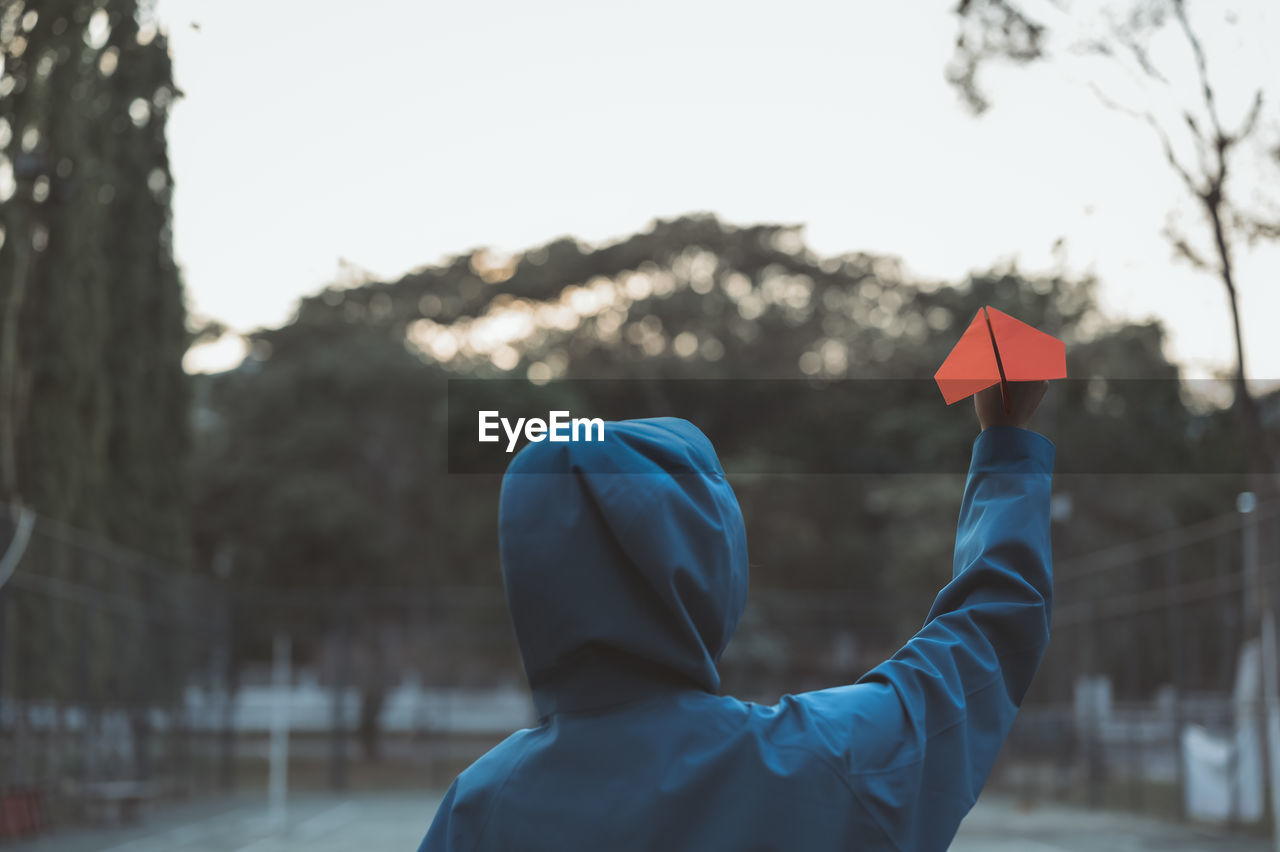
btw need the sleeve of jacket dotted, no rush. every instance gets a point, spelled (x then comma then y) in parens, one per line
(448, 832)
(916, 736)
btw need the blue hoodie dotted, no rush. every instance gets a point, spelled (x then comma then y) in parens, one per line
(625, 565)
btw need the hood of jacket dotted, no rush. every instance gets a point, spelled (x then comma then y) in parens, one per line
(624, 563)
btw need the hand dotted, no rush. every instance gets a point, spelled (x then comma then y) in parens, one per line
(1023, 399)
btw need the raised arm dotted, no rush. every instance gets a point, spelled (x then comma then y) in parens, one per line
(918, 734)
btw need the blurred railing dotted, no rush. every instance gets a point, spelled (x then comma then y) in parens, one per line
(1152, 694)
(97, 646)
(123, 679)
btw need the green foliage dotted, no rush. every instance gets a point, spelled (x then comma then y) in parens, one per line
(332, 434)
(310, 467)
(93, 400)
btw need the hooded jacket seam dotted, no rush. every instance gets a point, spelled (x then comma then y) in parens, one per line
(846, 777)
(825, 760)
(493, 802)
(945, 728)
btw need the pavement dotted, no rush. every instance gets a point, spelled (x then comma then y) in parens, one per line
(396, 822)
(315, 823)
(1000, 824)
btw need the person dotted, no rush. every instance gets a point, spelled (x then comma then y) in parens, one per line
(625, 568)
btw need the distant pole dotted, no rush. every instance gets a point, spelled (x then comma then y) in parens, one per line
(227, 722)
(24, 521)
(338, 733)
(1247, 504)
(278, 784)
(1273, 719)
(1173, 614)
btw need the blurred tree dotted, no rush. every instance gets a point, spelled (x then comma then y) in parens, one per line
(1220, 161)
(353, 390)
(316, 470)
(93, 399)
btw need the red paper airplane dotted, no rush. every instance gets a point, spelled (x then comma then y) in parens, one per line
(998, 348)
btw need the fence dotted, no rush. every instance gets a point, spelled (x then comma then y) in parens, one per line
(121, 680)
(1151, 696)
(97, 645)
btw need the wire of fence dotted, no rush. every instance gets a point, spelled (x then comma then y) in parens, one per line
(118, 669)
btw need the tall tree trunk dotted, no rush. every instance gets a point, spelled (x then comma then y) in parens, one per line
(1261, 456)
(11, 368)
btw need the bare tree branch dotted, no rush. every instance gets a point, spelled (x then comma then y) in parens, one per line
(1203, 144)
(1165, 142)
(998, 30)
(1193, 125)
(1183, 248)
(1256, 228)
(1141, 57)
(1251, 120)
(1202, 68)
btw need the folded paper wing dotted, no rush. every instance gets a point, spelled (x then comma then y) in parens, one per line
(996, 348)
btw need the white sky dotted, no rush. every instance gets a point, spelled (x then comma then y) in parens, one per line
(393, 134)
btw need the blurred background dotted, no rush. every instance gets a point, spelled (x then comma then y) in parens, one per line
(254, 258)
